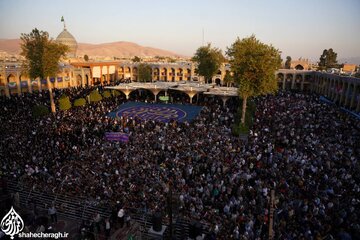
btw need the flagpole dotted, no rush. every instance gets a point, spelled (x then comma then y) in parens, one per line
(62, 19)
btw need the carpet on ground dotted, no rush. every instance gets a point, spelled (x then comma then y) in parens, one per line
(156, 112)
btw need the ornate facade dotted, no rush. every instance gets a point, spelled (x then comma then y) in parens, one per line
(300, 64)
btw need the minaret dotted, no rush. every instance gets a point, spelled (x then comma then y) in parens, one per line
(62, 19)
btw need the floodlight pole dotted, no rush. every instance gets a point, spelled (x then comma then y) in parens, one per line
(271, 220)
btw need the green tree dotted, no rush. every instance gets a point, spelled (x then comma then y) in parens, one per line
(95, 96)
(136, 59)
(39, 111)
(209, 60)
(115, 93)
(106, 94)
(79, 102)
(64, 103)
(86, 57)
(288, 62)
(42, 56)
(144, 72)
(253, 64)
(328, 59)
(228, 78)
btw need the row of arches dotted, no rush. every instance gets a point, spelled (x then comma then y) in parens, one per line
(168, 74)
(173, 94)
(80, 81)
(344, 91)
(17, 83)
(341, 90)
(12, 78)
(157, 73)
(294, 81)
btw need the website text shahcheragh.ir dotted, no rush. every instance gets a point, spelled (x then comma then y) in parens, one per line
(56, 235)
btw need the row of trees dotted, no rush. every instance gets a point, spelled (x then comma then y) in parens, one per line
(253, 65)
(65, 102)
(94, 96)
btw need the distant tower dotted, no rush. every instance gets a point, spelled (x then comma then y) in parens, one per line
(66, 38)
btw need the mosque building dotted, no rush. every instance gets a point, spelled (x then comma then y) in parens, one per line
(66, 38)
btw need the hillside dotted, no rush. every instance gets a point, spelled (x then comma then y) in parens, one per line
(121, 49)
(114, 49)
(11, 46)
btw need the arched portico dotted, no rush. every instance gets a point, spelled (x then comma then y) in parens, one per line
(289, 81)
(344, 91)
(134, 74)
(121, 73)
(79, 80)
(281, 80)
(180, 74)
(164, 74)
(4, 85)
(87, 80)
(127, 73)
(299, 67)
(188, 74)
(172, 74)
(156, 74)
(13, 84)
(218, 81)
(298, 81)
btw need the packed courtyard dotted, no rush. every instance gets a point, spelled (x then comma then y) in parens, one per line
(304, 149)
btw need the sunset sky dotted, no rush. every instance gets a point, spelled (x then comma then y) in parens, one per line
(297, 28)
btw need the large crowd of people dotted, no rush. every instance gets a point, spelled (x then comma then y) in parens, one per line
(305, 150)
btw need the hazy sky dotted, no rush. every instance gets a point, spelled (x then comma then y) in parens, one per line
(298, 28)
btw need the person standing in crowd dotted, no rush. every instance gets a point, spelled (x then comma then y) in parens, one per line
(107, 227)
(121, 215)
(127, 220)
(53, 213)
(97, 220)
